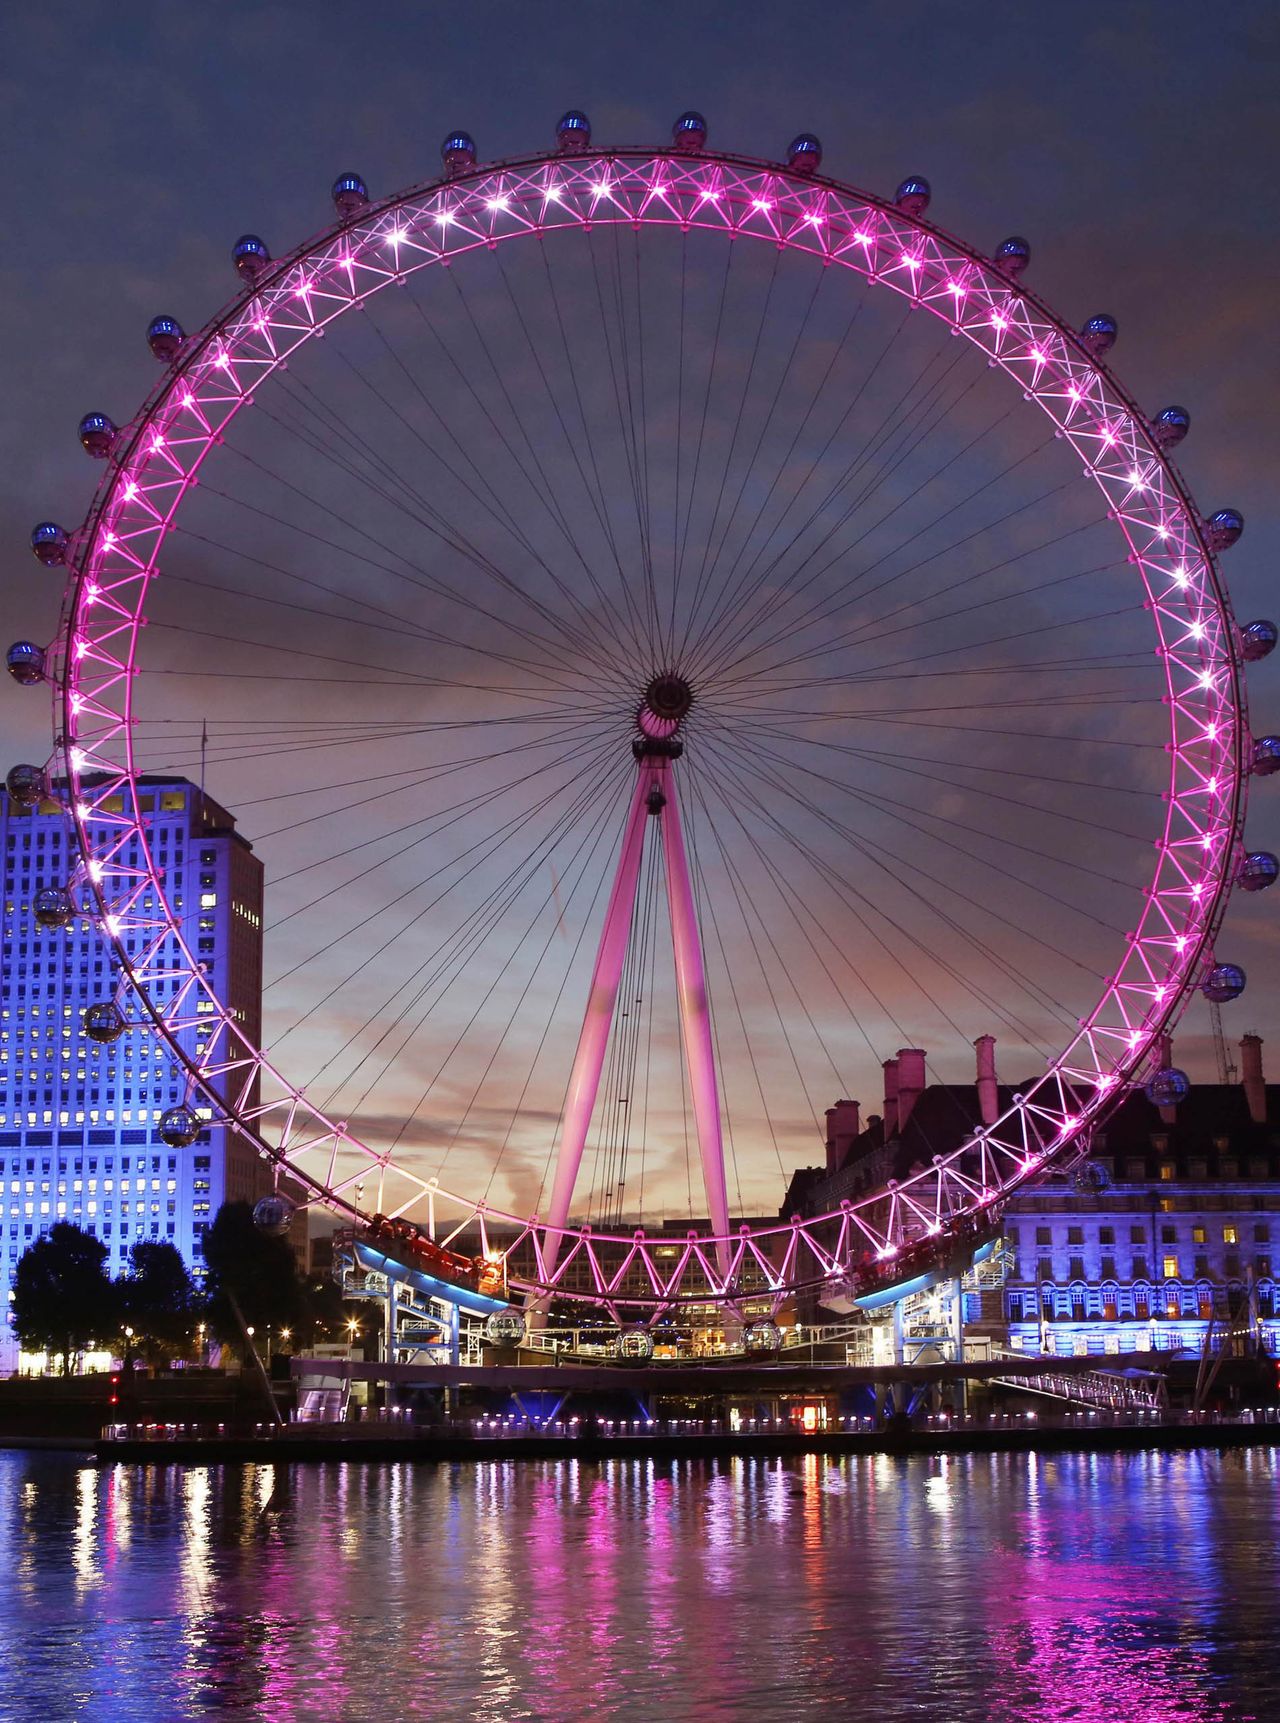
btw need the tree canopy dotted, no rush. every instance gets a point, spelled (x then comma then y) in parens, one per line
(257, 1270)
(62, 1297)
(158, 1299)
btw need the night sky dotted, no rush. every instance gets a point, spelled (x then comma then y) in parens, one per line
(1134, 146)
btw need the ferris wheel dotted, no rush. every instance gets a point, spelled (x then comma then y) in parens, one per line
(675, 627)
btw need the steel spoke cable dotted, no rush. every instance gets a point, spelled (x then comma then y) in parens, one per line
(896, 422)
(843, 889)
(822, 610)
(859, 635)
(706, 396)
(775, 403)
(895, 439)
(745, 899)
(601, 491)
(495, 506)
(884, 806)
(708, 899)
(550, 1019)
(600, 826)
(503, 836)
(1001, 1011)
(626, 427)
(542, 487)
(792, 765)
(708, 536)
(635, 625)
(443, 965)
(410, 572)
(462, 810)
(461, 958)
(492, 504)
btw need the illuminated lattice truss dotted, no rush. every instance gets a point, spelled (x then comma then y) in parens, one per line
(158, 457)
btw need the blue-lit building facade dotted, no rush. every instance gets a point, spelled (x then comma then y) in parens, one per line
(1172, 1224)
(78, 1120)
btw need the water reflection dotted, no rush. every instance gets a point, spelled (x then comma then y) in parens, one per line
(1101, 1589)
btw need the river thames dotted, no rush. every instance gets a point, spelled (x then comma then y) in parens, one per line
(990, 1589)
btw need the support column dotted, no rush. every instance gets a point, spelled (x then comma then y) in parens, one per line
(695, 1020)
(588, 1061)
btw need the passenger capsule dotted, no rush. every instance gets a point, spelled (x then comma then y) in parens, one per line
(635, 1345)
(52, 906)
(27, 785)
(573, 132)
(761, 1338)
(103, 1022)
(1168, 1087)
(179, 1127)
(25, 663)
(1257, 640)
(1224, 528)
(1224, 981)
(1170, 427)
(97, 433)
(1258, 870)
(804, 154)
(1012, 256)
(1266, 755)
(273, 1214)
(350, 194)
(912, 196)
(49, 543)
(165, 336)
(458, 152)
(504, 1328)
(250, 256)
(689, 133)
(1099, 334)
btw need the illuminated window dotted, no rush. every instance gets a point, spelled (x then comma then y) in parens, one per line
(1167, 1170)
(1198, 1235)
(1170, 1267)
(208, 900)
(172, 801)
(1229, 1235)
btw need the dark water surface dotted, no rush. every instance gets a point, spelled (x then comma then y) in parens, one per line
(994, 1589)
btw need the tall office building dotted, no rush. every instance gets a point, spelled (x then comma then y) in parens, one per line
(78, 1121)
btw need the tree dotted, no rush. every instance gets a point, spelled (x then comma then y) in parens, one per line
(258, 1271)
(62, 1297)
(158, 1299)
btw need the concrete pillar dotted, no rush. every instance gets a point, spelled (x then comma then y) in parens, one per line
(890, 1099)
(988, 1090)
(911, 1080)
(1255, 1087)
(843, 1126)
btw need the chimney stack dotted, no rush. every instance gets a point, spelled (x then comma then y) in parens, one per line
(843, 1126)
(1255, 1087)
(988, 1089)
(890, 1099)
(911, 1080)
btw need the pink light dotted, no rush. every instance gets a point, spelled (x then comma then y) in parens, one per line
(396, 236)
(223, 362)
(999, 322)
(501, 202)
(762, 204)
(130, 490)
(188, 399)
(553, 194)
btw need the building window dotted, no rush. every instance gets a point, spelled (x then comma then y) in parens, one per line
(1168, 1171)
(1075, 1235)
(1170, 1268)
(1229, 1235)
(1198, 1235)
(1262, 1234)
(1106, 1235)
(1044, 1235)
(1137, 1235)
(1168, 1235)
